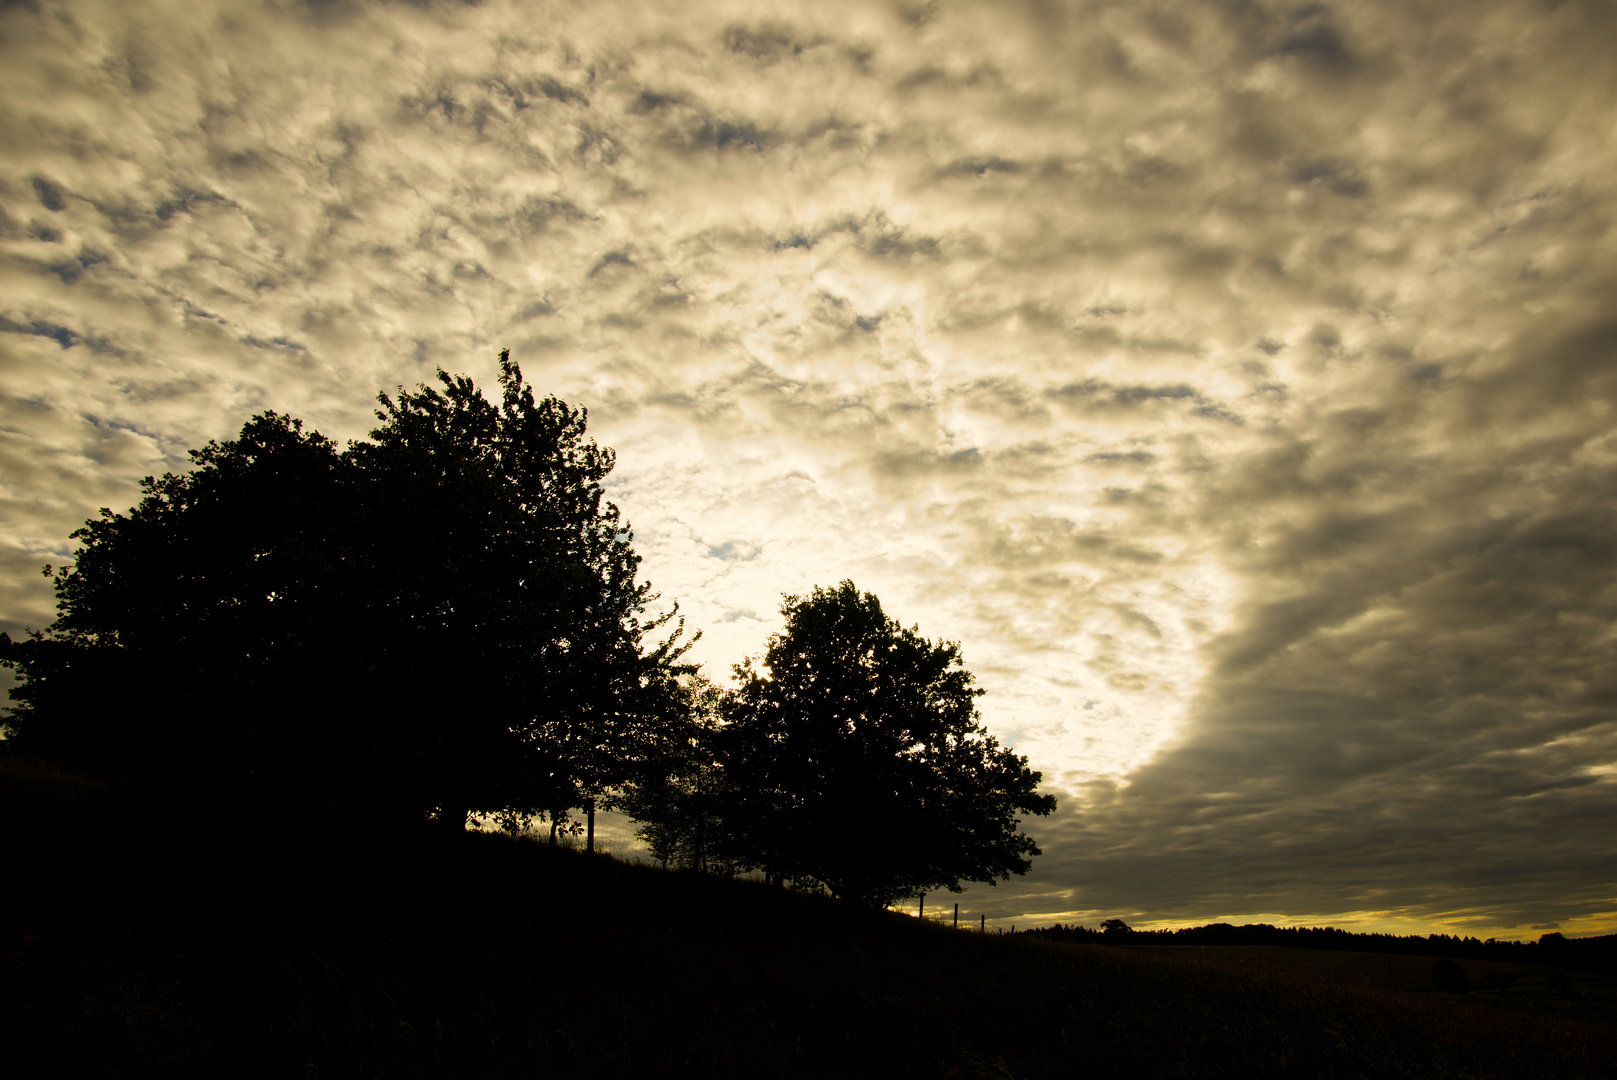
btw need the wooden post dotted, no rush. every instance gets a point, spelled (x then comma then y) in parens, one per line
(956, 917)
(589, 841)
(923, 905)
(982, 924)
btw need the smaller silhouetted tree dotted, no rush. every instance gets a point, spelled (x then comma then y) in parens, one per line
(854, 759)
(1116, 928)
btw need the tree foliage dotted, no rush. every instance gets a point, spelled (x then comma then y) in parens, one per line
(179, 646)
(445, 617)
(854, 758)
(527, 599)
(679, 797)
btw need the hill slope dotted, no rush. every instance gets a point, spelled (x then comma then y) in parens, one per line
(207, 953)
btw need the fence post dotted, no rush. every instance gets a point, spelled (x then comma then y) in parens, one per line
(923, 905)
(982, 924)
(589, 843)
(956, 917)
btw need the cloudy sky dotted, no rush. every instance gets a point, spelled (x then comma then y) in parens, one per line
(1234, 379)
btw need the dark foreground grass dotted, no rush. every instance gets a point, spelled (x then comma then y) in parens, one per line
(147, 953)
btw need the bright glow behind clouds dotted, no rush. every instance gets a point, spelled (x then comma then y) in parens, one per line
(1231, 379)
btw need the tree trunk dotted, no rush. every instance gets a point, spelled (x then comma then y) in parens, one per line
(589, 841)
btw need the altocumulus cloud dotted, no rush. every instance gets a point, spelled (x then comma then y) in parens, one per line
(1234, 380)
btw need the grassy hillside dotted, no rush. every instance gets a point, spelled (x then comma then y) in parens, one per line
(174, 948)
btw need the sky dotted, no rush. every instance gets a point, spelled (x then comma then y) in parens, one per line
(1234, 380)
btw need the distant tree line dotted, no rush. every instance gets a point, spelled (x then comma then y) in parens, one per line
(445, 620)
(1592, 954)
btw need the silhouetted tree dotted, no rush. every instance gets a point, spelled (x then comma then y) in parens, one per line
(1116, 927)
(854, 758)
(445, 618)
(517, 585)
(195, 634)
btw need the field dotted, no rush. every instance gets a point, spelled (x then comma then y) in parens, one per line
(1527, 988)
(183, 948)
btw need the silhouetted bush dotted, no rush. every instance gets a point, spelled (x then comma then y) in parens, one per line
(1450, 977)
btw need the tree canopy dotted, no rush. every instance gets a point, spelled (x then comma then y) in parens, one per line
(446, 618)
(855, 758)
(443, 618)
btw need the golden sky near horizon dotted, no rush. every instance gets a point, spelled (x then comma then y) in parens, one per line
(1234, 380)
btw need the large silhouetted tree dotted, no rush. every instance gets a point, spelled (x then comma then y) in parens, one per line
(444, 618)
(517, 590)
(191, 630)
(854, 758)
